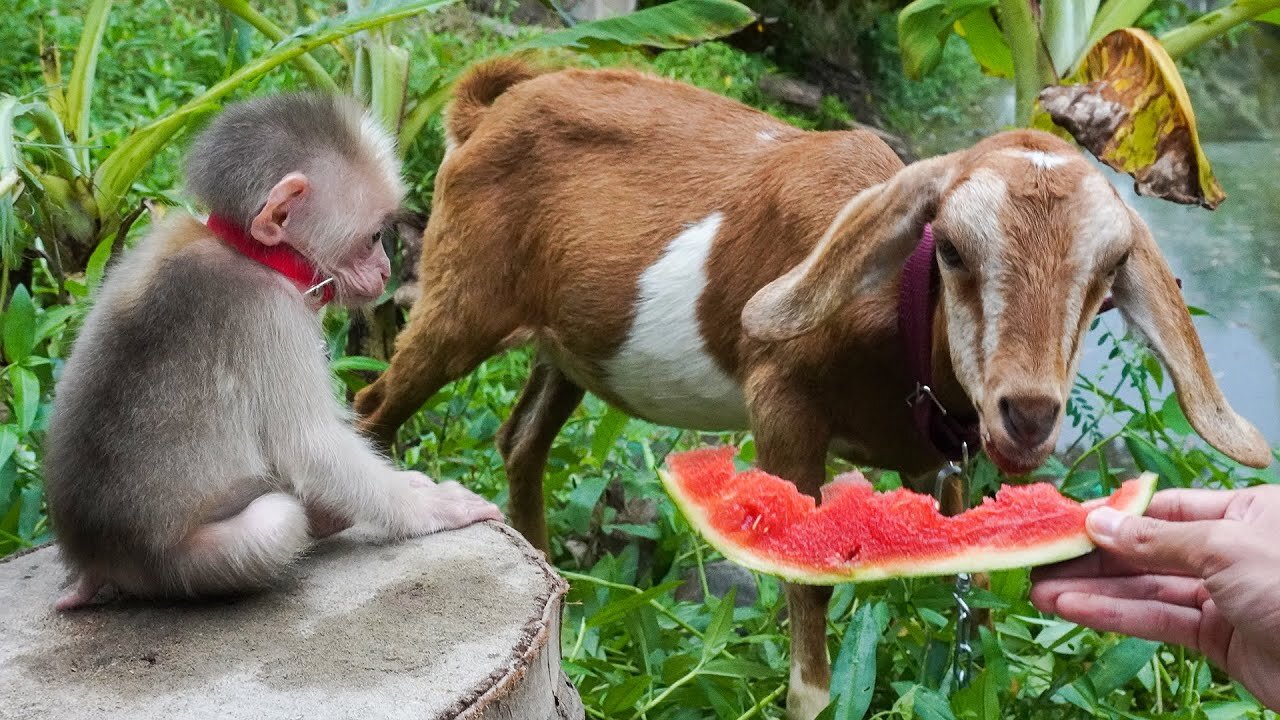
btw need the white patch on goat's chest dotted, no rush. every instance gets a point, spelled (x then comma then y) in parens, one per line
(663, 371)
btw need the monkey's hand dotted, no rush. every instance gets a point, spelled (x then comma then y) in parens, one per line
(443, 506)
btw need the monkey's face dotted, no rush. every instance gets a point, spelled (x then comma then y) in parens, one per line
(362, 275)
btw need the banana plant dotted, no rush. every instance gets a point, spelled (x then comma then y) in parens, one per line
(1065, 58)
(47, 176)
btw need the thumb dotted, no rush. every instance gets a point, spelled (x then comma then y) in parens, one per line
(1181, 548)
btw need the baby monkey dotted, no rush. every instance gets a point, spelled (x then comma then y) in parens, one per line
(196, 446)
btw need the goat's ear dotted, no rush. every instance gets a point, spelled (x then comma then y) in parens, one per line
(866, 243)
(1147, 295)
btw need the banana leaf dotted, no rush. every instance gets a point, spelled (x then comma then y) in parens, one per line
(1128, 106)
(668, 26)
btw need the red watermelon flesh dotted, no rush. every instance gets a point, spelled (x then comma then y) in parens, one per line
(763, 522)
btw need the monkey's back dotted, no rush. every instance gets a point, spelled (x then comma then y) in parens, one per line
(155, 413)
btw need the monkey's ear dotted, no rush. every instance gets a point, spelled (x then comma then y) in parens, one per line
(268, 226)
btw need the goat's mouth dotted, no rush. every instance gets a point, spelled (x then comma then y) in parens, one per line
(1013, 459)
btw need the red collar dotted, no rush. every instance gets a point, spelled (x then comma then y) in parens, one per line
(281, 258)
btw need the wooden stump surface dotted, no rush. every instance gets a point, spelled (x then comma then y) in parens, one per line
(459, 624)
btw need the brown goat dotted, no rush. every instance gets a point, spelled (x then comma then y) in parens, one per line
(700, 264)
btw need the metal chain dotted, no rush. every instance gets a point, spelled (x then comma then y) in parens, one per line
(962, 649)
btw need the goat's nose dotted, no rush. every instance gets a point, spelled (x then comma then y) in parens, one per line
(1029, 419)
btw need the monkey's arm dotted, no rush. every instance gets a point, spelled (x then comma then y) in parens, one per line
(313, 446)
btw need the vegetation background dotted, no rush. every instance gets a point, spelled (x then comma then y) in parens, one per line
(658, 626)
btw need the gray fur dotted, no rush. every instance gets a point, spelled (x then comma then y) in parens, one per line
(249, 147)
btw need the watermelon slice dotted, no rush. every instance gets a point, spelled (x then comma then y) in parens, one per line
(764, 523)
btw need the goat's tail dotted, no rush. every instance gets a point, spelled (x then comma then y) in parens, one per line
(477, 90)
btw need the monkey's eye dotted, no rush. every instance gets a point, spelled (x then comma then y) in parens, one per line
(950, 256)
(378, 237)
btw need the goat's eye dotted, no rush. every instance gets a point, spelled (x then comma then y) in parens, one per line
(947, 251)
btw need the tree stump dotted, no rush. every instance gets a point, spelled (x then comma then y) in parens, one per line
(462, 624)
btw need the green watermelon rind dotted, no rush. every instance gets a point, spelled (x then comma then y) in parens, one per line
(973, 560)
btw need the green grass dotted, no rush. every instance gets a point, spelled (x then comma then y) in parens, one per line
(633, 650)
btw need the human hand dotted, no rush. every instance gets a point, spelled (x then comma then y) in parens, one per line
(1202, 570)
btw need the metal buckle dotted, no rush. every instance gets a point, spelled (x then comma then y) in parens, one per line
(923, 391)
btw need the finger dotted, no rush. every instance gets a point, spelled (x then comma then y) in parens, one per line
(1141, 618)
(1190, 505)
(1159, 546)
(1096, 564)
(1171, 589)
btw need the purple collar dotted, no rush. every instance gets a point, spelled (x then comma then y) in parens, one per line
(917, 298)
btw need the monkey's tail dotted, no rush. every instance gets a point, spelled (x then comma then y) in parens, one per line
(247, 551)
(477, 90)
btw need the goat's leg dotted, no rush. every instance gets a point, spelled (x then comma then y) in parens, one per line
(441, 343)
(524, 440)
(792, 438)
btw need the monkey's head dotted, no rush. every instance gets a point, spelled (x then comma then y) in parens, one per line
(310, 170)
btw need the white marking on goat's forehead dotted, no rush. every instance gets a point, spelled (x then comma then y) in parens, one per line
(971, 211)
(972, 214)
(766, 135)
(663, 371)
(1040, 158)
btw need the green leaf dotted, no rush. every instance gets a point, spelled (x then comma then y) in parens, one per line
(669, 26)
(1173, 417)
(351, 363)
(986, 42)
(619, 608)
(923, 29)
(582, 502)
(718, 629)
(273, 32)
(32, 511)
(8, 443)
(96, 268)
(1272, 17)
(19, 326)
(1150, 459)
(52, 320)
(1064, 28)
(978, 701)
(1229, 710)
(1120, 664)
(26, 396)
(645, 531)
(607, 432)
(79, 90)
(853, 676)
(993, 656)
(626, 694)
(738, 668)
(1010, 585)
(928, 704)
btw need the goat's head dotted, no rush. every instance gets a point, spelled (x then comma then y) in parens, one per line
(1030, 238)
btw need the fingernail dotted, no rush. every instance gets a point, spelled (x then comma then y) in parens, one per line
(1104, 523)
